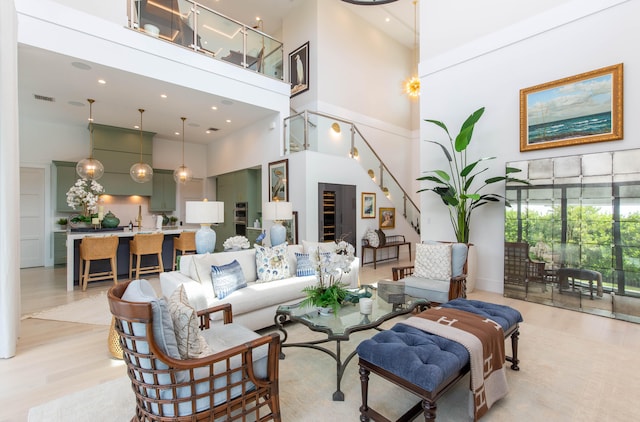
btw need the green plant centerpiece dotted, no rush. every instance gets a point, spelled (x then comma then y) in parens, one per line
(330, 292)
(456, 187)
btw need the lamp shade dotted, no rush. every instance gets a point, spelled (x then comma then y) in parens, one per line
(204, 212)
(277, 211)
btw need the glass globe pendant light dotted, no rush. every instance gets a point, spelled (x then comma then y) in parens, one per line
(90, 168)
(182, 174)
(141, 172)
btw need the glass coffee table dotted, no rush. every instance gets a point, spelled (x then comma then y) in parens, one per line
(388, 303)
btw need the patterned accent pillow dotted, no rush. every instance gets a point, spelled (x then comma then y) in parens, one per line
(372, 237)
(433, 261)
(191, 344)
(227, 279)
(304, 266)
(271, 262)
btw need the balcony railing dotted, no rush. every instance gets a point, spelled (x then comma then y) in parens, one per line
(307, 130)
(194, 26)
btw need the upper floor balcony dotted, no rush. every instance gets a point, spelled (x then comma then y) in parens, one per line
(194, 26)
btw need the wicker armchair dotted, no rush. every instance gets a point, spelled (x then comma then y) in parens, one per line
(435, 289)
(519, 269)
(236, 384)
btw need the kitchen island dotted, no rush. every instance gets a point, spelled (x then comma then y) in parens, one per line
(73, 255)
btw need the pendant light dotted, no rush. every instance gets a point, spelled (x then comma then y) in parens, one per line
(141, 172)
(90, 168)
(412, 87)
(182, 174)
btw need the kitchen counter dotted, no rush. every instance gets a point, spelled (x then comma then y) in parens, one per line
(74, 238)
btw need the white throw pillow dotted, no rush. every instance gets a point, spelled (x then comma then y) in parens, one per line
(312, 247)
(433, 261)
(191, 344)
(200, 271)
(372, 237)
(272, 263)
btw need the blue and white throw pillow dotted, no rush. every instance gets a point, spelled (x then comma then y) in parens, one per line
(227, 279)
(304, 266)
(271, 262)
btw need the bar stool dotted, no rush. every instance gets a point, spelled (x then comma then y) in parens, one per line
(145, 244)
(185, 243)
(95, 249)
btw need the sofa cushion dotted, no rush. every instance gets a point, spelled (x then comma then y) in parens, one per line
(427, 288)
(227, 279)
(245, 257)
(191, 344)
(200, 271)
(272, 263)
(291, 256)
(142, 291)
(312, 247)
(433, 261)
(304, 266)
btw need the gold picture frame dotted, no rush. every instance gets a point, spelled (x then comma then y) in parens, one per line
(387, 218)
(580, 109)
(368, 205)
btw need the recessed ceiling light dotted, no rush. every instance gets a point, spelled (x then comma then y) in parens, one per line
(214, 108)
(176, 133)
(136, 126)
(228, 121)
(387, 19)
(102, 81)
(163, 95)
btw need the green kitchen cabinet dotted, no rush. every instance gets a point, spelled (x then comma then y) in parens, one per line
(66, 177)
(164, 191)
(60, 248)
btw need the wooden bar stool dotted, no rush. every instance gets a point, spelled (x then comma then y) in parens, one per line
(95, 249)
(185, 243)
(145, 244)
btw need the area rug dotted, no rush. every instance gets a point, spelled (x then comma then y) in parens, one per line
(90, 310)
(549, 386)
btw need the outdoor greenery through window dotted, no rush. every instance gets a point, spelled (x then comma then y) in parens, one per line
(581, 212)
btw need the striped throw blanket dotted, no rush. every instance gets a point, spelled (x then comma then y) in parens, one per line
(484, 339)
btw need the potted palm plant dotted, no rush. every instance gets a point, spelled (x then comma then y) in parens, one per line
(455, 186)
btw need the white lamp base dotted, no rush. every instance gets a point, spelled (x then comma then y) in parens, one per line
(278, 234)
(205, 239)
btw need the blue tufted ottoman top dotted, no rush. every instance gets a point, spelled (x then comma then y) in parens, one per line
(425, 359)
(504, 315)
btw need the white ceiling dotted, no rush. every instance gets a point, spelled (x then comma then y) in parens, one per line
(70, 81)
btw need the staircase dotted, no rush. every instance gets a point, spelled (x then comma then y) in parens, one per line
(302, 132)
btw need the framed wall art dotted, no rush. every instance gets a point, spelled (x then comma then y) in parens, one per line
(299, 69)
(278, 180)
(387, 218)
(292, 229)
(580, 109)
(368, 205)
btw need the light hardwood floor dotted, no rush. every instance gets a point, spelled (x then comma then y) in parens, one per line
(58, 358)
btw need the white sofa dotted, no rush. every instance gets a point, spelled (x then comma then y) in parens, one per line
(253, 306)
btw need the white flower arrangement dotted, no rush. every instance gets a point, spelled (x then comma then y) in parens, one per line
(85, 194)
(236, 242)
(331, 266)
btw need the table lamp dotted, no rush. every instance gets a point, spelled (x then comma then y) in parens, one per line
(205, 213)
(277, 211)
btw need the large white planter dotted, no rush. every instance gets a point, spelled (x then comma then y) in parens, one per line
(472, 268)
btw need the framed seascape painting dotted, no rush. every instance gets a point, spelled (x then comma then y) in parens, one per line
(580, 109)
(278, 183)
(299, 69)
(368, 205)
(387, 218)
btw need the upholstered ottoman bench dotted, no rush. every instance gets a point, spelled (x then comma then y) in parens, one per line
(427, 364)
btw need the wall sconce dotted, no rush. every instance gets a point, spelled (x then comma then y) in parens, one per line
(354, 153)
(371, 173)
(385, 190)
(335, 127)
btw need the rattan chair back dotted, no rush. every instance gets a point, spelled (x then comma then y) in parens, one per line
(169, 389)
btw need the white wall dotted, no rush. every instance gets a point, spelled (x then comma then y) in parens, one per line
(575, 37)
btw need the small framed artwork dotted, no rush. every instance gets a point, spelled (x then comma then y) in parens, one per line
(299, 69)
(580, 109)
(278, 183)
(292, 229)
(368, 205)
(387, 218)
